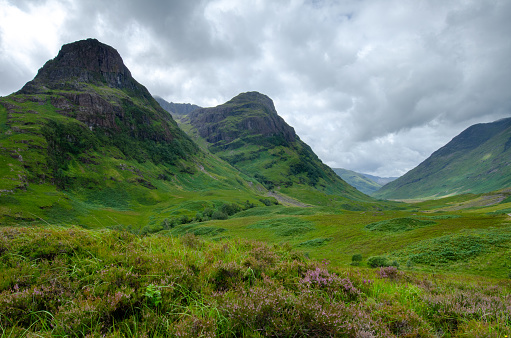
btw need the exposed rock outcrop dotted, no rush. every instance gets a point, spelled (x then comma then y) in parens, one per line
(87, 61)
(229, 121)
(88, 81)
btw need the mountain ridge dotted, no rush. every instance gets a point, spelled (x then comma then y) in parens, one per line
(358, 180)
(248, 133)
(475, 161)
(176, 109)
(84, 141)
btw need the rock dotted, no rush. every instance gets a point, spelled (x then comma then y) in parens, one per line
(211, 122)
(87, 61)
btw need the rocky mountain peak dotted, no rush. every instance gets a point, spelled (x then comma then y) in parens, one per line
(254, 98)
(250, 113)
(87, 61)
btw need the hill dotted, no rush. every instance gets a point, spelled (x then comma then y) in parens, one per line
(85, 143)
(357, 180)
(248, 133)
(176, 109)
(475, 161)
(380, 180)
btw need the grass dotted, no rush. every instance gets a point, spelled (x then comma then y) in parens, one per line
(101, 186)
(109, 244)
(284, 226)
(347, 234)
(59, 281)
(398, 225)
(459, 247)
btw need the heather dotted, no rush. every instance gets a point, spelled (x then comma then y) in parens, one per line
(68, 281)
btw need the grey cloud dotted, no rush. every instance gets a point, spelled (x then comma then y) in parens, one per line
(373, 86)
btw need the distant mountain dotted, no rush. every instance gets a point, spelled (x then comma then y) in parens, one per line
(248, 133)
(380, 180)
(368, 184)
(357, 180)
(476, 161)
(176, 108)
(85, 143)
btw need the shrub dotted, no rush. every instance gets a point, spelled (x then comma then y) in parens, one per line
(199, 217)
(377, 261)
(230, 209)
(168, 224)
(315, 242)
(356, 258)
(269, 202)
(192, 241)
(208, 212)
(219, 215)
(390, 272)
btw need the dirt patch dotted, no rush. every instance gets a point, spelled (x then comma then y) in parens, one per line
(286, 200)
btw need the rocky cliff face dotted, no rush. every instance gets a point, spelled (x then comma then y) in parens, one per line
(87, 61)
(247, 114)
(88, 81)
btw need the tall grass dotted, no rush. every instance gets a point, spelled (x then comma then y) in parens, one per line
(74, 282)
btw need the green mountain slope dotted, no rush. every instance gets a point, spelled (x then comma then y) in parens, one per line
(85, 143)
(380, 180)
(248, 133)
(359, 181)
(476, 161)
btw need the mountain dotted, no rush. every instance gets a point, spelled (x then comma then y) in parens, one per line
(85, 143)
(176, 109)
(357, 180)
(380, 180)
(476, 161)
(248, 133)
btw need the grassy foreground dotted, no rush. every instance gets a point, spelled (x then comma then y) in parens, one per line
(57, 281)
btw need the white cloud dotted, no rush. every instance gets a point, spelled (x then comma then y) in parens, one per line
(374, 86)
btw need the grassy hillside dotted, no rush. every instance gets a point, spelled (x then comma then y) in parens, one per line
(476, 161)
(359, 181)
(86, 145)
(380, 180)
(248, 133)
(469, 234)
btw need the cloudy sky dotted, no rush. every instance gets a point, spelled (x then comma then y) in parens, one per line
(373, 86)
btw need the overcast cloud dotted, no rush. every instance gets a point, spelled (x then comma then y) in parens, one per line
(373, 86)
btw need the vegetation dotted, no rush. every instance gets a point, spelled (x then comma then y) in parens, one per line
(120, 225)
(398, 224)
(247, 133)
(359, 181)
(59, 281)
(475, 161)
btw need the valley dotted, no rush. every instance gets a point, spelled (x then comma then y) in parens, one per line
(121, 218)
